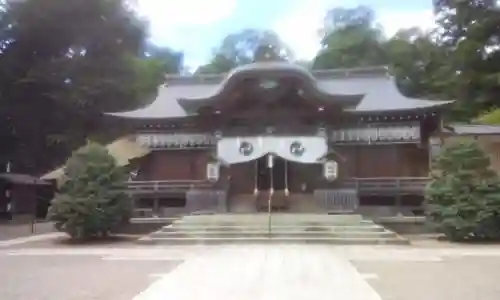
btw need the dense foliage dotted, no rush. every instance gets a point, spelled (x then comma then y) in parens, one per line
(91, 201)
(62, 64)
(464, 195)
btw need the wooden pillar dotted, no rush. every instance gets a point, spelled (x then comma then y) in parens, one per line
(398, 185)
(134, 204)
(256, 177)
(271, 191)
(286, 178)
(156, 206)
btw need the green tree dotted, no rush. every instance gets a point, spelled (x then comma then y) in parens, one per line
(350, 39)
(244, 47)
(419, 64)
(62, 64)
(469, 30)
(491, 117)
(170, 61)
(91, 201)
(464, 194)
(219, 64)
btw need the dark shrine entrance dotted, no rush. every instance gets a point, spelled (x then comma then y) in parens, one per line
(274, 177)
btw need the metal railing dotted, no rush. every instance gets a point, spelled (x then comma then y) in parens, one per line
(383, 185)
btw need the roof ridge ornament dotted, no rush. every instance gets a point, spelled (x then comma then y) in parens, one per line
(346, 73)
(266, 66)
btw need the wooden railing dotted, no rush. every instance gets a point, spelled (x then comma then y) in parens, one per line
(166, 185)
(380, 185)
(386, 185)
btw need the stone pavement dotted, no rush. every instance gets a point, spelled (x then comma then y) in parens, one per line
(30, 239)
(263, 273)
(76, 277)
(453, 278)
(250, 272)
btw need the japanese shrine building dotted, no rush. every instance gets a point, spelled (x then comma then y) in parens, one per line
(274, 135)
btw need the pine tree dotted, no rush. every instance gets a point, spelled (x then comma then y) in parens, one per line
(91, 200)
(464, 194)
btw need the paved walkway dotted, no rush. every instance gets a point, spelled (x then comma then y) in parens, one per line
(262, 272)
(250, 272)
(30, 239)
(10, 231)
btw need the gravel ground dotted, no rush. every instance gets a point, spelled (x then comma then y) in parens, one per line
(76, 277)
(465, 278)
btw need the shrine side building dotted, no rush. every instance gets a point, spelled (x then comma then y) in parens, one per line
(273, 136)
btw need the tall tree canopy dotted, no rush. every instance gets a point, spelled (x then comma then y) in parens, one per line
(350, 39)
(470, 30)
(419, 64)
(63, 63)
(170, 61)
(246, 46)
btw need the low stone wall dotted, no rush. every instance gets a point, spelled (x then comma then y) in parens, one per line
(406, 225)
(206, 200)
(143, 225)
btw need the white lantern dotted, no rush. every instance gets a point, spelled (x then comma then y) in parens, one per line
(330, 170)
(213, 171)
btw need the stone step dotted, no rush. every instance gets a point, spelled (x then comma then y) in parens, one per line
(285, 228)
(257, 227)
(273, 234)
(273, 222)
(276, 218)
(274, 240)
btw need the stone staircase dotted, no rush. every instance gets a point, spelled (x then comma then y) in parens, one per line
(285, 228)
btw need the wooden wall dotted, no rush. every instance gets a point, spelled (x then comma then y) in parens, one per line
(242, 178)
(304, 174)
(367, 161)
(174, 165)
(24, 199)
(370, 161)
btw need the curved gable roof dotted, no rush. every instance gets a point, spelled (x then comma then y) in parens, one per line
(377, 90)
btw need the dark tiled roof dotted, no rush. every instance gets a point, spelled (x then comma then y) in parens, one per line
(378, 89)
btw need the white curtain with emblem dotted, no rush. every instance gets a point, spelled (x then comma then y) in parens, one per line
(313, 148)
(228, 149)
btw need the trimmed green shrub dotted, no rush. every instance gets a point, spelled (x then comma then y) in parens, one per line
(464, 194)
(92, 199)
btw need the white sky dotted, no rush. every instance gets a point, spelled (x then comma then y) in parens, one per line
(298, 26)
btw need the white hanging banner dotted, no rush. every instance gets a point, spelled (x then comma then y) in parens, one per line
(302, 149)
(235, 150)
